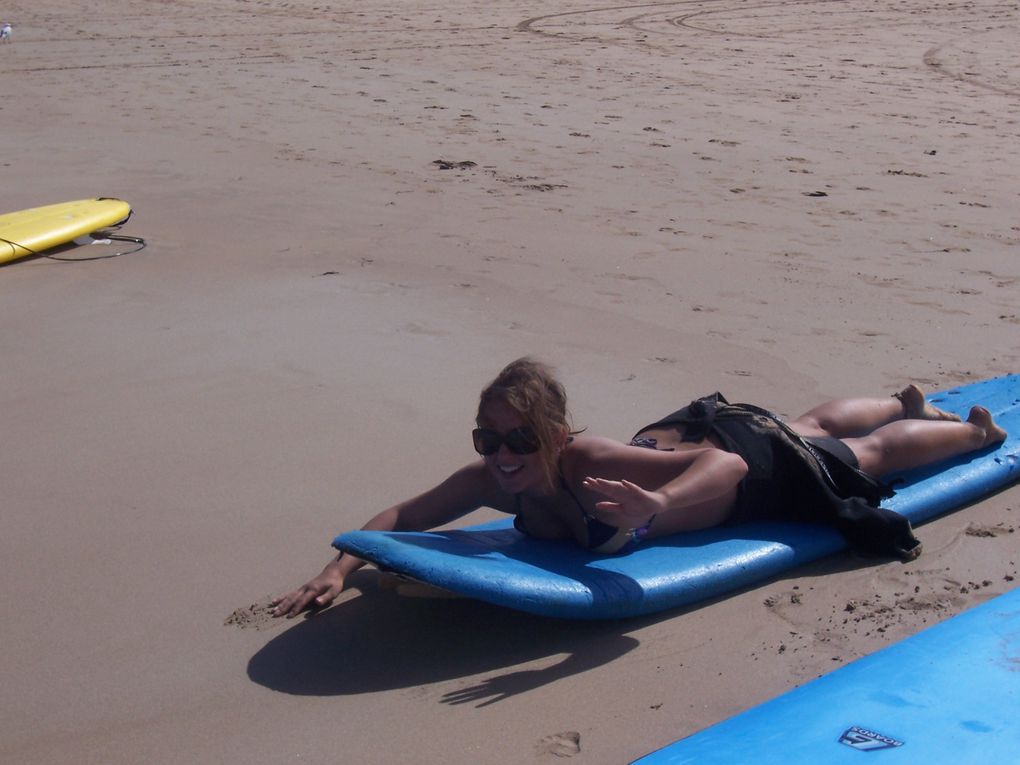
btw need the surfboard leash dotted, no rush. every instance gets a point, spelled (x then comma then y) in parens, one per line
(113, 237)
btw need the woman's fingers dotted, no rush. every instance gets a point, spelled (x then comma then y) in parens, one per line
(603, 486)
(297, 601)
(327, 597)
(618, 490)
(622, 497)
(284, 605)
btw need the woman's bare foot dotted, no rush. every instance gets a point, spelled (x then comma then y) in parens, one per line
(916, 408)
(983, 419)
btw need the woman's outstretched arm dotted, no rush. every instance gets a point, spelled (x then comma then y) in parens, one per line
(468, 489)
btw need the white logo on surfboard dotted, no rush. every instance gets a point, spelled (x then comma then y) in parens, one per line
(865, 740)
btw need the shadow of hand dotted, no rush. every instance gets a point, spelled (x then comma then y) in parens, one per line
(497, 688)
(585, 655)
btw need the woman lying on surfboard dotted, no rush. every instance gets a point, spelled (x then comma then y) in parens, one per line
(707, 464)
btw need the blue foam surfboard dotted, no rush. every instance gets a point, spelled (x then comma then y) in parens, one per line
(949, 694)
(495, 563)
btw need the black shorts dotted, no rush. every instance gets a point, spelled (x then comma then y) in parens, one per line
(833, 447)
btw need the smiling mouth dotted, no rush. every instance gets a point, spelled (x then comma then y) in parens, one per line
(510, 469)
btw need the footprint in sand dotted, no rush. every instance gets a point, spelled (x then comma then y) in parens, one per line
(977, 530)
(445, 164)
(565, 744)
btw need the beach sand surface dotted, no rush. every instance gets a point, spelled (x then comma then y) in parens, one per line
(355, 215)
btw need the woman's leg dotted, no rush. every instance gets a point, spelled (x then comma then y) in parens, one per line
(857, 417)
(906, 444)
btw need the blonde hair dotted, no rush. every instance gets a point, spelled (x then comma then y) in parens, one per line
(530, 388)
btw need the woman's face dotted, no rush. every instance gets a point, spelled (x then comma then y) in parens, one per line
(515, 473)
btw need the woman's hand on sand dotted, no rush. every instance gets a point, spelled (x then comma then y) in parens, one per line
(316, 594)
(625, 498)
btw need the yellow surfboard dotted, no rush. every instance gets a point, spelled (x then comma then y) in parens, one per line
(29, 232)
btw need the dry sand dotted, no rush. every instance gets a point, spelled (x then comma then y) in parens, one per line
(787, 202)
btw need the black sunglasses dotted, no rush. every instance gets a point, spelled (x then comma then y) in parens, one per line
(519, 441)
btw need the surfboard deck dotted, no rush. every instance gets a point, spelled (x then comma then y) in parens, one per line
(948, 694)
(31, 231)
(495, 563)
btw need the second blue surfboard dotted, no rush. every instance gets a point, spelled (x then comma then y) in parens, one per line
(946, 696)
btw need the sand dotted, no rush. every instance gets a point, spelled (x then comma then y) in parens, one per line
(355, 215)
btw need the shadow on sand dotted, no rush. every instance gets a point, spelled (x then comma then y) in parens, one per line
(379, 641)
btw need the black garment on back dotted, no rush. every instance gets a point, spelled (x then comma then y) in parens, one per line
(789, 478)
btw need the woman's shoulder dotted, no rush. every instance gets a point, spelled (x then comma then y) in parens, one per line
(589, 446)
(584, 452)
